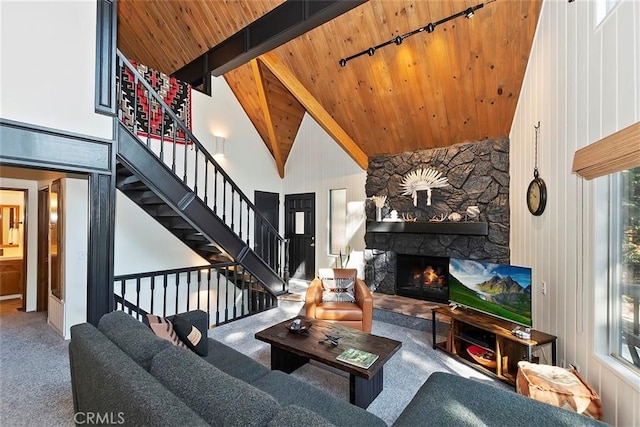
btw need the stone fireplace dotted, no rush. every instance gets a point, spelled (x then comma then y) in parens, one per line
(423, 277)
(478, 175)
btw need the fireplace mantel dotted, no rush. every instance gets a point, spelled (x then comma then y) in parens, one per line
(425, 227)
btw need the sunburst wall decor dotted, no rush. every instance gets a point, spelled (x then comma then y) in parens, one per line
(422, 180)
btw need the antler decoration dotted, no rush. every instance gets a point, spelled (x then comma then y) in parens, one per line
(422, 179)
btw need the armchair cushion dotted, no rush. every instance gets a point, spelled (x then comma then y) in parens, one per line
(338, 289)
(358, 314)
(338, 310)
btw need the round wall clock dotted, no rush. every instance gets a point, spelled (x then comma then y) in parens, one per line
(537, 191)
(536, 195)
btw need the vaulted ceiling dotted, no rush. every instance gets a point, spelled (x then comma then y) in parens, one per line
(459, 83)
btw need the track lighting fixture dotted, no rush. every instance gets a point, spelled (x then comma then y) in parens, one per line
(429, 28)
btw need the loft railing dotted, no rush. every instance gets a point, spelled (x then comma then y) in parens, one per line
(225, 291)
(190, 161)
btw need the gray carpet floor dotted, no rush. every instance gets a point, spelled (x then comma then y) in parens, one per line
(35, 383)
(404, 373)
(35, 387)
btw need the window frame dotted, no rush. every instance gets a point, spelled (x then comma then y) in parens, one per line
(607, 333)
(332, 225)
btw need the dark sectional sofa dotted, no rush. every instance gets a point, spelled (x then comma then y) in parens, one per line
(121, 372)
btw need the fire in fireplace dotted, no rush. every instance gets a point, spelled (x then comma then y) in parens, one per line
(423, 277)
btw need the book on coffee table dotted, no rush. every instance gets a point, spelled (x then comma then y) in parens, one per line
(360, 358)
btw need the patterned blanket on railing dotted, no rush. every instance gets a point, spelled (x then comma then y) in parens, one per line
(149, 119)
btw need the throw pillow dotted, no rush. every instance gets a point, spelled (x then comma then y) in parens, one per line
(190, 335)
(338, 289)
(164, 329)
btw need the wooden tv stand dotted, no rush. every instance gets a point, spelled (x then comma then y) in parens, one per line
(470, 328)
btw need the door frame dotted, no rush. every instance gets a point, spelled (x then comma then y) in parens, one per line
(268, 204)
(42, 285)
(24, 222)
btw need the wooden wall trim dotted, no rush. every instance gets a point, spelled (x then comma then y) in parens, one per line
(45, 148)
(102, 195)
(25, 145)
(106, 30)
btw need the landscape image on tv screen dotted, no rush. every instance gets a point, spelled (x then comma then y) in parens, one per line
(497, 289)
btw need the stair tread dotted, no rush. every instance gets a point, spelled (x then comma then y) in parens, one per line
(132, 185)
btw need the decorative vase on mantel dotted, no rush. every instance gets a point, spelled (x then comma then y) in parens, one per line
(379, 202)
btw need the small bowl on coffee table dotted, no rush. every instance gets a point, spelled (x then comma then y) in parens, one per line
(298, 326)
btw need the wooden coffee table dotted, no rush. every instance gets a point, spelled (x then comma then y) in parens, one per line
(291, 350)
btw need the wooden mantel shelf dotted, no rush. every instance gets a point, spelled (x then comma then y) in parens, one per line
(467, 228)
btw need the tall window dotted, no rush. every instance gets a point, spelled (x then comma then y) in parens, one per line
(337, 221)
(603, 7)
(625, 262)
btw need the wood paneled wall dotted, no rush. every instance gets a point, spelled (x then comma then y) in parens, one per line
(582, 84)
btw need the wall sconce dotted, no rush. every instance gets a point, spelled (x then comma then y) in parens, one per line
(219, 152)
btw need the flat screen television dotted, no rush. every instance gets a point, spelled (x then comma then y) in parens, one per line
(499, 290)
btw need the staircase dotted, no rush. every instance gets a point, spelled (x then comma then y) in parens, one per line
(182, 187)
(135, 189)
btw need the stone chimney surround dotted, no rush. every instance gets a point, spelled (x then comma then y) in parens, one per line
(478, 175)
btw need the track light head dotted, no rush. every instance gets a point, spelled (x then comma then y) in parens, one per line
(429, 28)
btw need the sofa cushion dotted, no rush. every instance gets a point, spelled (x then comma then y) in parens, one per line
(449, 400)
(163, 328)
(133, 337)
(292, 415)
(233, 362)
(194, 338)
(217, 397)
(198, 318)
(107, 381)
(289, 390)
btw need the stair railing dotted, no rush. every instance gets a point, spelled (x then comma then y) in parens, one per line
(196, 167)
(225, 291)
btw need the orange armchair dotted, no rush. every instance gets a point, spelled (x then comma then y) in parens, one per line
(357, 315)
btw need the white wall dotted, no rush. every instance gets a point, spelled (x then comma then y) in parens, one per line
(47, 66)
(247, 159)
(142, 244)
(316, 165)
(582, 84)
(75, 196)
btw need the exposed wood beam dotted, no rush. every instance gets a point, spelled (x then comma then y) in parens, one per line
(273, 143)
(284, 23)
(315, 109)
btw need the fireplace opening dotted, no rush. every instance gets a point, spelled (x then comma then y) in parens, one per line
(423, 277)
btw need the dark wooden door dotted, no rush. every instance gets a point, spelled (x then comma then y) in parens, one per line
(300, 229)
(42, 300)
(265, 243)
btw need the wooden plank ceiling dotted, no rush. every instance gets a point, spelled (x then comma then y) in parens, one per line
(459, 83)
